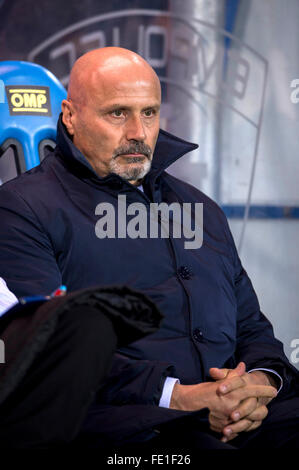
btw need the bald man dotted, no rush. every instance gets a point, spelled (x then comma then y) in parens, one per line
(83, 217)
(112, 112)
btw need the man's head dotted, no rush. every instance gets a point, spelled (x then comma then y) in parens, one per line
(112, 111)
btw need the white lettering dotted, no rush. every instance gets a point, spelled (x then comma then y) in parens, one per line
(151, 31)
(96, 39)
(295, 354)
(159, 215)
(295, 93)
(2, 352)
(105, 227)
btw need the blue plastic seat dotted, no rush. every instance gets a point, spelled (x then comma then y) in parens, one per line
(29, 111)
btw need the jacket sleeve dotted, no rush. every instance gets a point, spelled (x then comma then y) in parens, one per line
(27, 260)
(134, 381)
(256, 343)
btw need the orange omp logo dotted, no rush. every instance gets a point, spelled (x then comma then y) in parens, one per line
(28, 100)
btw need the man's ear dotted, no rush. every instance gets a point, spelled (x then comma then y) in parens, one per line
(67, 116)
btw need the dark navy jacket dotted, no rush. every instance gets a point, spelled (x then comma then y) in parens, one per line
(212, 315)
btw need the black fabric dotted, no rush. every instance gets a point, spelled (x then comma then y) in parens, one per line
(25, 329)
(49, 404)
(52, 402)
(130, 424)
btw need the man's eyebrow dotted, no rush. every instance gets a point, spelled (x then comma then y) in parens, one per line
(115, 106)
(126, 107)
(151, 106)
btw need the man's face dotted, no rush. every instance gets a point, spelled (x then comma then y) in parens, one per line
(117, 126)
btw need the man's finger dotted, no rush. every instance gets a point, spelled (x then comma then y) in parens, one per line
(216, 428)
(245, 425)
(255, 424)
(246, 390)
(250, 408)
(245, 408)
(230, 384)
(217, 424)
(257, 391)
(238, 427)
(241, 368)
(259, 413)
(218, 374)
(228, 438)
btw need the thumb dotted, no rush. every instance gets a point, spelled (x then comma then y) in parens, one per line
(240, 369)
(218, 374)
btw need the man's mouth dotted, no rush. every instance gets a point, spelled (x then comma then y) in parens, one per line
(140, 151)
(133, 155)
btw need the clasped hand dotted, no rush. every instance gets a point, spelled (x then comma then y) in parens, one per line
(237, 400)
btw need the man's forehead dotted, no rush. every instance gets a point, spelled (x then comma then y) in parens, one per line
(132, 88)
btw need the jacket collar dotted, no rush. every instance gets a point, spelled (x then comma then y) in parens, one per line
(169, 148)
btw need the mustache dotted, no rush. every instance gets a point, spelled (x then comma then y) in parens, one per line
(137, 147)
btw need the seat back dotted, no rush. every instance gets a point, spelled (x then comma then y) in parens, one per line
(29, 109)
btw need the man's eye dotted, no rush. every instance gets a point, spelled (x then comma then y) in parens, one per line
(149, 112)
(117, 113)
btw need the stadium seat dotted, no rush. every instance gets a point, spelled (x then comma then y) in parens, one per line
(29, 109)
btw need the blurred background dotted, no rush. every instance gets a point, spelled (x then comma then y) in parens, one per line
(230, 79)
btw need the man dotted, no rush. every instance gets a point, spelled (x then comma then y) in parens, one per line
(110, 154)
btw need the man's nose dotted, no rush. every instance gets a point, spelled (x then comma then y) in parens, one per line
(135, 129)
